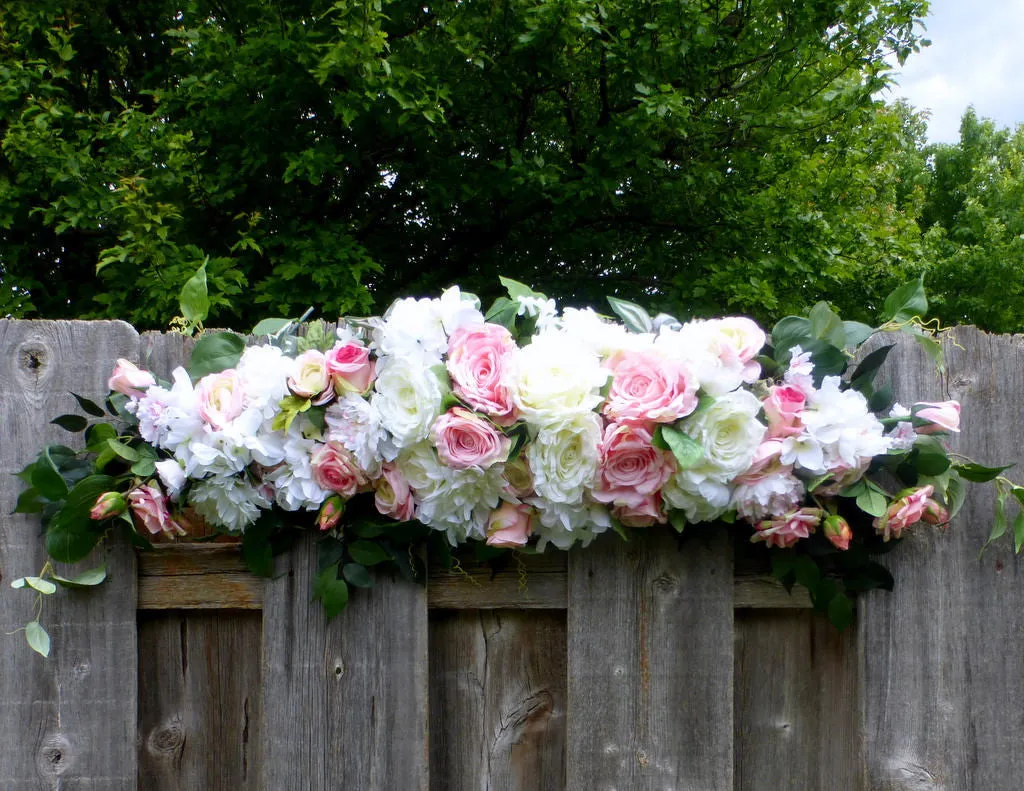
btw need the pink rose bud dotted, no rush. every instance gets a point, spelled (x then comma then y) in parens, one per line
(149, 506)
(943, 416)
(934, 513)
(129, 379)
(464, 439)
(510, 525)
(330, 513)
(905, 511)
(394, 496)
(350, 368)
(783, 407)
(310, 379)
(107, 505)
(784, 531)
(646, 513)
(334, 468)
(837, 530)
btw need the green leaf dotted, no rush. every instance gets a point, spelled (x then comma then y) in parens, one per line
(97, 436)
(144, 468)
(357, 575)
(685, 448)
(89, 407)
(827, 326)
(126, 452)
(18, 583)
(503, 311)
(905, 302)
(87, 579)
(257, 551)
(633, 316)
(28, 503)
(194, 299)
(38, 639)
(933, 348)
(516, 289)
(71, 534)
(840, 611)
(47, 480)
(214, 353)
(41, 585)
(367, 553)
(871, 501)
(929, 462)
(270, 326)
(856, 333)
(999, 521)
(978, 473)
(678, 520)
(956, 493)
(331, 591)
(73, 423)
(789, 332)
(864, 373)
(1018, 532)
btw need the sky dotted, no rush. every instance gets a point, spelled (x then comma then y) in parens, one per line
(976, 58)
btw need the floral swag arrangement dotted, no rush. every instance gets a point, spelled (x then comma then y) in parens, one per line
(437, 429)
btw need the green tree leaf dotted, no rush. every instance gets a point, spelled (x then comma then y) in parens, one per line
(906, 302)
(194, 299)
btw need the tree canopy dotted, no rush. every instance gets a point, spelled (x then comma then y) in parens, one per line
(694, 156)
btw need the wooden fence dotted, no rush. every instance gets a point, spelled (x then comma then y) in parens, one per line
(619, 667)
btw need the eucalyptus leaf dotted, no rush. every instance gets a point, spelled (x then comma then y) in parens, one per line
(87, 579)
(633, 316)
(38, 638)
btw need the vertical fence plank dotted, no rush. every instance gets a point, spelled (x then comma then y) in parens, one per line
(797, 712)
(199, 700)
(497, 700)
(68, 721)
(345, 703)
(650, 641)
(941, 656)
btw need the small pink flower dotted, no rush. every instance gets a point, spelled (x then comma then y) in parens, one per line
(149, 506)
(129, 379)
(632, 469)
(784, 531)
(394, 498)
(221, 398)
(107, 505)
(465, 439)
(782, 407)
(944, 416)
(648, 388)
(646, 513)
(310, 378)
(334, 468)
(351, 368)
(837, 530)
(904, 512)
(331, 511)
(510, 525)
(480, 360)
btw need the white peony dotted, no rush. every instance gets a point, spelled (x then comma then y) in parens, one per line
(407, 397)
(564, 525)
(702, 499)
(768, 494)
(604, 337)
(293, 483)
(564, 458)
(411, 329)
(228, 502)
(264, 371)
(557, 376)
(356, 424)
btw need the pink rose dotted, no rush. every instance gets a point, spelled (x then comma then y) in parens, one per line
(782, 407)
(510, 525)
(331, 512)
(646, 513)
(129, 379)
(647, 387)
(464, 439)
(107, 505)
(394, 498)
(944, 416)
(351, 368)
(221, 398)
(632, 469)
(837, 530)
(150, 507)
(335, 469)
(784, 531)
(904, 512)
(480, 359)
(310, 379)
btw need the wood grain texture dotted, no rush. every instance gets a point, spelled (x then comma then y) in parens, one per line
(497, 700)
(943, 669)
(344, 703)
(797, 716)
(199, 701)
(67, 722)
(197, 576)
(650, 643)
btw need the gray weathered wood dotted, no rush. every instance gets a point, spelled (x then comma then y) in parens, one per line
(943, 669)
(199, 701)
(650, 667)
(67, 722)
(345, 703)
(797, 713)
(497, 700)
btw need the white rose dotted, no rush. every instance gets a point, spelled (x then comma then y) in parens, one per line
(702, 500)
(407, 398)
(557, 376)
(729, 432)
(564, 458)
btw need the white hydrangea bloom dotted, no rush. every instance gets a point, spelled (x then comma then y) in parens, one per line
(169, 417)
(458, 310)
(293, 483)
(543, 309)
(767, 495)
(228, 502)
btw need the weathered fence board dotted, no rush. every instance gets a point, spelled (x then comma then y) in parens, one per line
(199, 701)
(345, 703)
(497, 700)
(942, 660)
(650, 665)
(72, 717)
